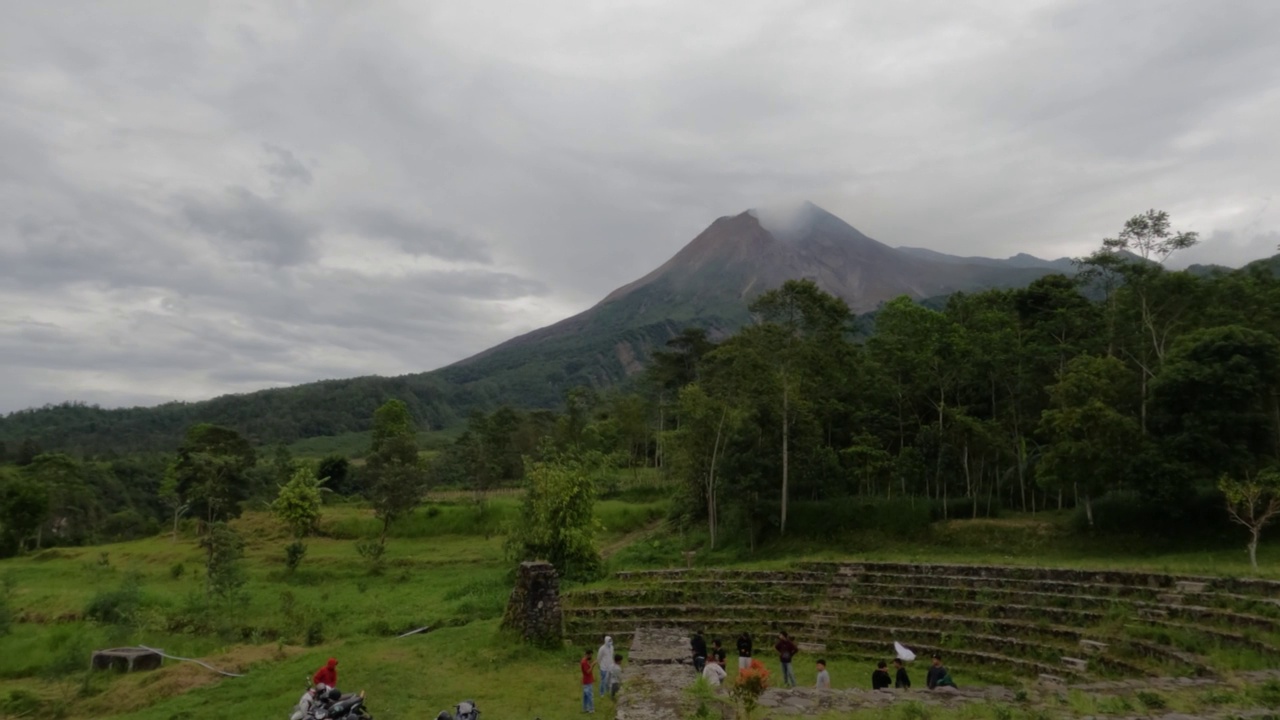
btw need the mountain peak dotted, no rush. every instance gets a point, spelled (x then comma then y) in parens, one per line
(789, 221)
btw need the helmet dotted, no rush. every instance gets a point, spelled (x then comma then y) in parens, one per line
(334, 694)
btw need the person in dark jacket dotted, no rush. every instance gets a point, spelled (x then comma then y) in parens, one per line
(902, 681)
(938, 675)
(699, 646)
(786, 651)
(327, 675)
(880, 677)
(717, 650)
(744, 651)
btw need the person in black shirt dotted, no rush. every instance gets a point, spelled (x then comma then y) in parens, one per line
(699, 646)
(880, 677)
(744, 651)
(938, 675)
(718, 651)
(902, 682)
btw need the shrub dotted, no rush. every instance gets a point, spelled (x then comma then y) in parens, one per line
(750, 685)
(1152, 700)
(21, 704)
(119, 606)
(6, 610)
(293, 554)
(372, 551)
(177, 570)
(315, 633)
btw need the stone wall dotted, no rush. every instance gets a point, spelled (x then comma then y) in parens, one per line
(534, 607)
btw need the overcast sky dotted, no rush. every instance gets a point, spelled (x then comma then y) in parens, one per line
(209, 197)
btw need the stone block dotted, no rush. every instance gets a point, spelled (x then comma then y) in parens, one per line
(1093, 647)
(534, 609)
(1188, 586)
(1076, 664)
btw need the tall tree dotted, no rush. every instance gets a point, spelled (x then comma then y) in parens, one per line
(396, 476)
(212, 471)
(1091, 437)
(24, 507)
(800, 323)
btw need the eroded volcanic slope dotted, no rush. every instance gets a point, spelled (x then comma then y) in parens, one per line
(708, 284)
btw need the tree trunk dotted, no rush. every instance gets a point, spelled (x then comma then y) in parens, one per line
(1254, 533)
(1088, 509)
(711, 481)
(786, 436)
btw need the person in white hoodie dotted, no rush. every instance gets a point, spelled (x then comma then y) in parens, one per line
(605, 658)
(714, 672)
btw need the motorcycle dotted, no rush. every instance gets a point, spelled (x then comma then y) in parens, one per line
(465, 710)
(330, 704)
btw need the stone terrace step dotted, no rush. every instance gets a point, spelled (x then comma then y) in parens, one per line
(912, 631)
(1244, 586)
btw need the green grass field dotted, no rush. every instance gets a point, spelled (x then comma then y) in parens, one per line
(445, 568)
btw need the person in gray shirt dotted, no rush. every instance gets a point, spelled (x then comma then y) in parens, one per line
(824, 678)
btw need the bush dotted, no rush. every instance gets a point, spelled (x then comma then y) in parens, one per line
(128, 525)
(1200, 517)
(293, 554)
(372, 551)
(905, 518)
(119, 606)
(177, 570)
(6, 610)
(21, 704)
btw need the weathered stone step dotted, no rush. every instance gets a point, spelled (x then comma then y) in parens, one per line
(1076, 664)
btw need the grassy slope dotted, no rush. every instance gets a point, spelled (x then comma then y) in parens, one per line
(443, 571)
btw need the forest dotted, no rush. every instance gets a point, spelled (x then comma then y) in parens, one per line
(1146, 399)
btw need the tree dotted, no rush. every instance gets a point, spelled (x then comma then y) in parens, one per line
(698, 448)
(174, 503)
(211, 471)
(1217, 400)
(24, 507)
(1253, 502)
(73, 504)
(334, 471)
(800, 320)
(1090, 437)
(224, 549)
(28, 450)
(395, 475)
(297, 506)
(557, 517)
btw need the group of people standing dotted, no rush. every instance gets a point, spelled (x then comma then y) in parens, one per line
(610, 666)
(710, 663)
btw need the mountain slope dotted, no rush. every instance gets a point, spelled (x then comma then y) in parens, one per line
(708, 283)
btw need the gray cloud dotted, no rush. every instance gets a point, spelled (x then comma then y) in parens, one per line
(250, 227)
(196, 201)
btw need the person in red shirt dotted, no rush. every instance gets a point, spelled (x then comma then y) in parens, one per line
(327, 675)
(588, 683)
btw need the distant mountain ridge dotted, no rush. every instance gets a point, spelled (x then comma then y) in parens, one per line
(708, 284)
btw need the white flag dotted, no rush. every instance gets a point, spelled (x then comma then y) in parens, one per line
(903, 653)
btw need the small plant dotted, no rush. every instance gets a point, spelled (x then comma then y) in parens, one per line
(104, 560)
(177, 570)
(315, 633)
(21, 704)
(750, 685)
(372, 551)
(913, 711)
(1152, 700)
(6, 611)
(293, 554)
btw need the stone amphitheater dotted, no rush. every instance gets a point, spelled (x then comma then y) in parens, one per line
(997, 626)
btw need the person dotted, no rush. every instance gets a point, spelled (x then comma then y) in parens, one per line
(309, 699)
(938, 675)
(744, 651)
(880, 677)
(718, 651)
(714, 672)
(605, 654)
(588, 682)
(699, 646)
(824, 678)
(327, 675)
(786, 651)
(615, 676)
(902, 681)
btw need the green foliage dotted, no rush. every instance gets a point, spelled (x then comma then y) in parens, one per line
(294, 552)
(372, 552)
(557, 520)
(24, 507)
(7, 587)
(1253, 501)
(334, 471)
(119, 606)
(223, 571)
(393, 473)
(211, 472)
(297, 506)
